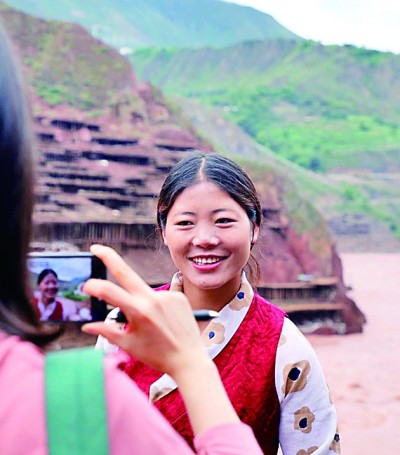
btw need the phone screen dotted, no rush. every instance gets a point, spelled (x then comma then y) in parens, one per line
(56, 282)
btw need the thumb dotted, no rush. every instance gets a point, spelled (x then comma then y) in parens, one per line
(113, 332)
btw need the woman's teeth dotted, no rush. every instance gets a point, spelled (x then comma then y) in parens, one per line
(201, 261)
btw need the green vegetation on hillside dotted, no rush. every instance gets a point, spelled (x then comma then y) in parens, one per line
(65, 64)
(323, 107)
(373, 196)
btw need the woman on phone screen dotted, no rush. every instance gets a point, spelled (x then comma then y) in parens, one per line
(210, 216)
(45, 302)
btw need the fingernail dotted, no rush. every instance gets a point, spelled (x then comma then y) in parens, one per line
(96, 248)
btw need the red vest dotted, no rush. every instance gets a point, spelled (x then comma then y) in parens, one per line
(57, 314)
(247, 369)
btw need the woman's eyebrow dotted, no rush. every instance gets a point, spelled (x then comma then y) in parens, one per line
(215, 211)
(222, 210)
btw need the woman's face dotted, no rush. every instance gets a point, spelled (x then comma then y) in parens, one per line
(49, 287)
(209, 236)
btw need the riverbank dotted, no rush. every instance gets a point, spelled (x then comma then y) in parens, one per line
(363, 370)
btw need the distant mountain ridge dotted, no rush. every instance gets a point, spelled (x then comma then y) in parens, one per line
(180, 23)
(323, 107)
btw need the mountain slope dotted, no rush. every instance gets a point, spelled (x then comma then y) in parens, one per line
(362, 209)
(324, 107)
(192, 23)
(54, 53)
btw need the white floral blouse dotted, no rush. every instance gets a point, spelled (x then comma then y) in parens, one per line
(307, 415)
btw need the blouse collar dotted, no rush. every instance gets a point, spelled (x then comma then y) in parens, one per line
(217, 333)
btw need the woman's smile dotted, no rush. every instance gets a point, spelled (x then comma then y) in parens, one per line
(207, 263)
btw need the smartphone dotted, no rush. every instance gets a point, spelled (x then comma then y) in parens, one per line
(56, 282)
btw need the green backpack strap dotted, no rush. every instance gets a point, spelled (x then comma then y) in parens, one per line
(75, 403)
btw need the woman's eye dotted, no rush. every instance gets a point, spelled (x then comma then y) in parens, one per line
(224, 221)
(184, 223)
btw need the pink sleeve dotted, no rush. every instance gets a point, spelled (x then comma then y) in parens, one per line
(135, 426)
(227, 439)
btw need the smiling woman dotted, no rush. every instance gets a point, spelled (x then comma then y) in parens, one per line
(209, 216)
(46, 304)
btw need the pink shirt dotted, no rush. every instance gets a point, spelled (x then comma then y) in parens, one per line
(134, 426)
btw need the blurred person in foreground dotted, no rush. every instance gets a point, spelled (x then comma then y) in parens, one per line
(162, 330)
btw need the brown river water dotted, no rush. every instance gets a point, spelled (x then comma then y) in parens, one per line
(363, 370)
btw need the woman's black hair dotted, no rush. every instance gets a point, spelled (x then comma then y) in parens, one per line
(221, 171)
(17, 315)
(42, 275)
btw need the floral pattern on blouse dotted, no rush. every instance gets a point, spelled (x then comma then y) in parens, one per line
(303, 419)
(309, 451)
(308, 422)
(295, 376)
(335, 446)
(215, 334)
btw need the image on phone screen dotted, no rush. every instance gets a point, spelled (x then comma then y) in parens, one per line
(57, 280)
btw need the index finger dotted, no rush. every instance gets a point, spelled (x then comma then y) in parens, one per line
(121, 271)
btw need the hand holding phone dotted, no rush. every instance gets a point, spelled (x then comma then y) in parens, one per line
(161, 330)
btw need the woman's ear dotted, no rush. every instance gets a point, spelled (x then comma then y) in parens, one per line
(254, 236)
(164, 238)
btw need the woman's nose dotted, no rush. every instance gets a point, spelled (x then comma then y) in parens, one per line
(205, 238)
